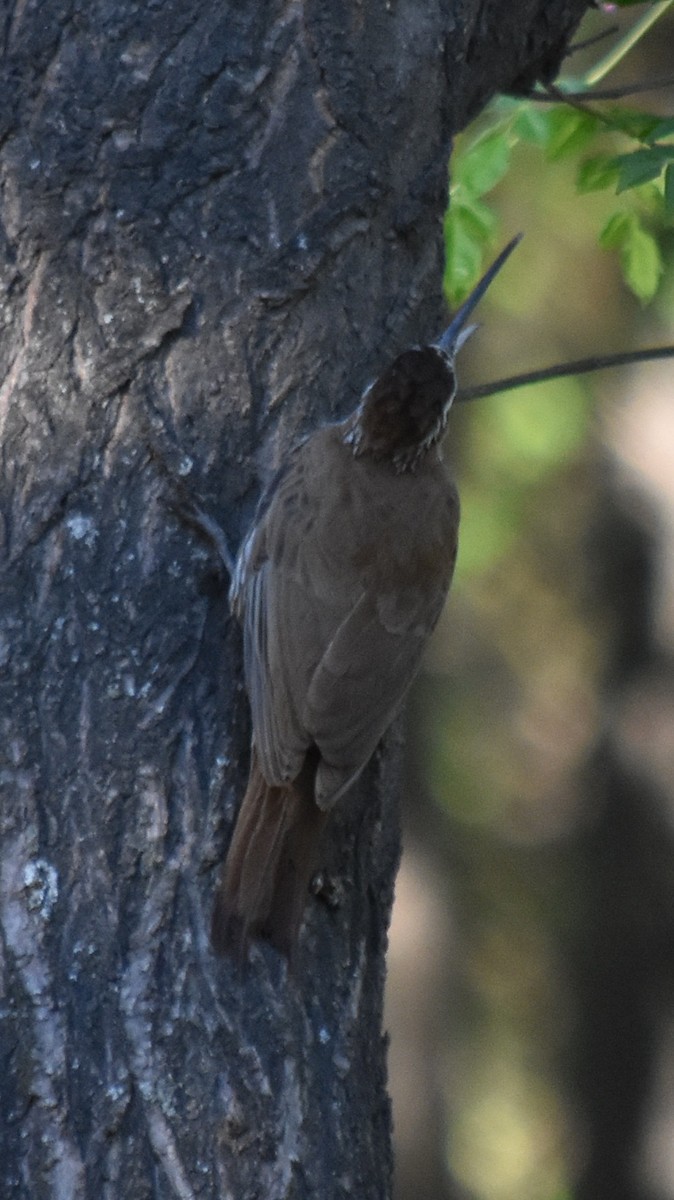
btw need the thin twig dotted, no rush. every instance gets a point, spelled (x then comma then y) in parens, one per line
(616, 93)
(561, 97)
(618, 53)
(561, 370)
(592, 41)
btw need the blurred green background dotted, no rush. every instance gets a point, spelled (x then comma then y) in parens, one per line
(531, 988)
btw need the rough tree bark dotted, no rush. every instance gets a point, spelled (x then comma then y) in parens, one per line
(217, 221)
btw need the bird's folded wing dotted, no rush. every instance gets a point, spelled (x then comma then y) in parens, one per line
(361, 680)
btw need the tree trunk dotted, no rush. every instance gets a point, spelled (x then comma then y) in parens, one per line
(218, 221)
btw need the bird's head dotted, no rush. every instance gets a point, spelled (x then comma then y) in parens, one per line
(404, 412)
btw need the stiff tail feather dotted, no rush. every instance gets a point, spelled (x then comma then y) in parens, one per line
(269, 864)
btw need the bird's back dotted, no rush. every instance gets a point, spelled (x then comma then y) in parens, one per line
(345, 580)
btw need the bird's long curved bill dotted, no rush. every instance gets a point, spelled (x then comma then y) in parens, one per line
(458, 332)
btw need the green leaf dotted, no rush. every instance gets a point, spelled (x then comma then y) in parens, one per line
(616, 230)
(640, 258)
(663, 129)
(639, 125)
(464, 247)
(641, 262)
(650, 200)
(484, 163)
(532, 124)
(642, 165)
(570, 131)
(596, 173)
(669, 190)
(477, 218)
(633, 171)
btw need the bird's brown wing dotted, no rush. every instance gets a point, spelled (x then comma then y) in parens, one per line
(362, 678)
(290, 599)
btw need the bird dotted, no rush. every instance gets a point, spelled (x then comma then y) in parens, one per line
(338, 586)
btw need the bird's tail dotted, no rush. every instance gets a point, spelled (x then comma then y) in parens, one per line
(269, 864)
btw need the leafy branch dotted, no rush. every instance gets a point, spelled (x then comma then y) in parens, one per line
(619, 150)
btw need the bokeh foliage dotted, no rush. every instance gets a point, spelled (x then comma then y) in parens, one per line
(623, 152)
(514, 701)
